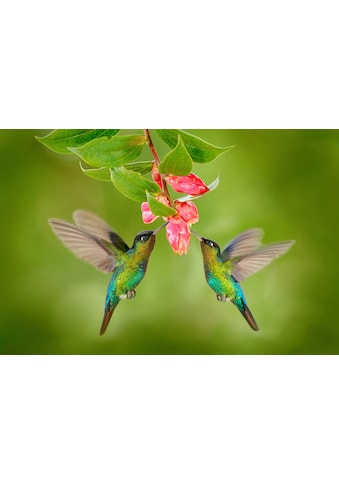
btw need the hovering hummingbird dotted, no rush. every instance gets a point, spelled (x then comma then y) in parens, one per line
(242, 257)
(95, 242)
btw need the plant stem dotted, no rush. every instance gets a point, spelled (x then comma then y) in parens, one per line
(152, 147)
(157, 163)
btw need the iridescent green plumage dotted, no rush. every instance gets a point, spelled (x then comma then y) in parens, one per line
(241, 258)
(93, 241)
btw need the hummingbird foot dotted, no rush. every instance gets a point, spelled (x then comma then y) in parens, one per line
(129, 295)
(221, 297)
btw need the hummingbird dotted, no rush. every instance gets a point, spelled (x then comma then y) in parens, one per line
(241, 258)
(95, 242)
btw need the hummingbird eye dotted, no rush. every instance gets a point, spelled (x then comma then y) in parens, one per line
(143, 236)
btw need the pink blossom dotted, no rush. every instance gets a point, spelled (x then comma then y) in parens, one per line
(187, 211)
(178, 225)
(147, 215)
(178, 235)
(188, 184)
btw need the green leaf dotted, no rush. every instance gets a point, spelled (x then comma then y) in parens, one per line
(61, 140)
(158, 208)
(178, 161)
(102, 173)
(200, 150)
(132, 185)
(141, 167)
(111, 152)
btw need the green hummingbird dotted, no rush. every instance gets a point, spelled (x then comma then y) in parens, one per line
(242, 257)
(95, 242)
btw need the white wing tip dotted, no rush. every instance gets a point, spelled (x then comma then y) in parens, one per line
(285, 245)
(81, 213)
(54, 223)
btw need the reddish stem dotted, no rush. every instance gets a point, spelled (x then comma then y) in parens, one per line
(152, 147)
(157, 163)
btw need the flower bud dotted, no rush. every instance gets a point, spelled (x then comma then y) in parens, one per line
(188, 184)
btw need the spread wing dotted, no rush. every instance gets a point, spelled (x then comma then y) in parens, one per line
(86, 246)
(243, 244)
(258, 259)
(100, 228)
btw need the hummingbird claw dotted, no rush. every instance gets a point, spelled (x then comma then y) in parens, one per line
(221, 297)
(129, 295)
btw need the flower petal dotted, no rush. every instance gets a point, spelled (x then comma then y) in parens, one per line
(187, 211)
(147, 215)
(178, 235)
(188, 184)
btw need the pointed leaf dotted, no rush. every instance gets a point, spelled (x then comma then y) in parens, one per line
(199, 150)
(158, 208)
(178, 161)
(131, 184)
(111, 152)
(102, 173)
(61, 140)
(140, 167)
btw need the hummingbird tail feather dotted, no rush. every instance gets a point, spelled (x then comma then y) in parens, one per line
(107, 317)
(249, 317)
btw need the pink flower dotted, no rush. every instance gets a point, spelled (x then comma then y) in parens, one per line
(177, 230)
(147, 215)
(178, 235)
(187, 211)
(178, 225)
(188, 184)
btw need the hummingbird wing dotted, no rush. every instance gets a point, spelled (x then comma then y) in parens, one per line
(84, 245)
(243, 244)
(255, 261)
(97, 226)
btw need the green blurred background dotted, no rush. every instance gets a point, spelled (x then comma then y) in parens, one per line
(285, 181)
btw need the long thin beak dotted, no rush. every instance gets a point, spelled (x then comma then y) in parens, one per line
(196, 235)
(158, 228)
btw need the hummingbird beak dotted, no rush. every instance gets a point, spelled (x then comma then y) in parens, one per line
(196, 235)
(158, 228)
